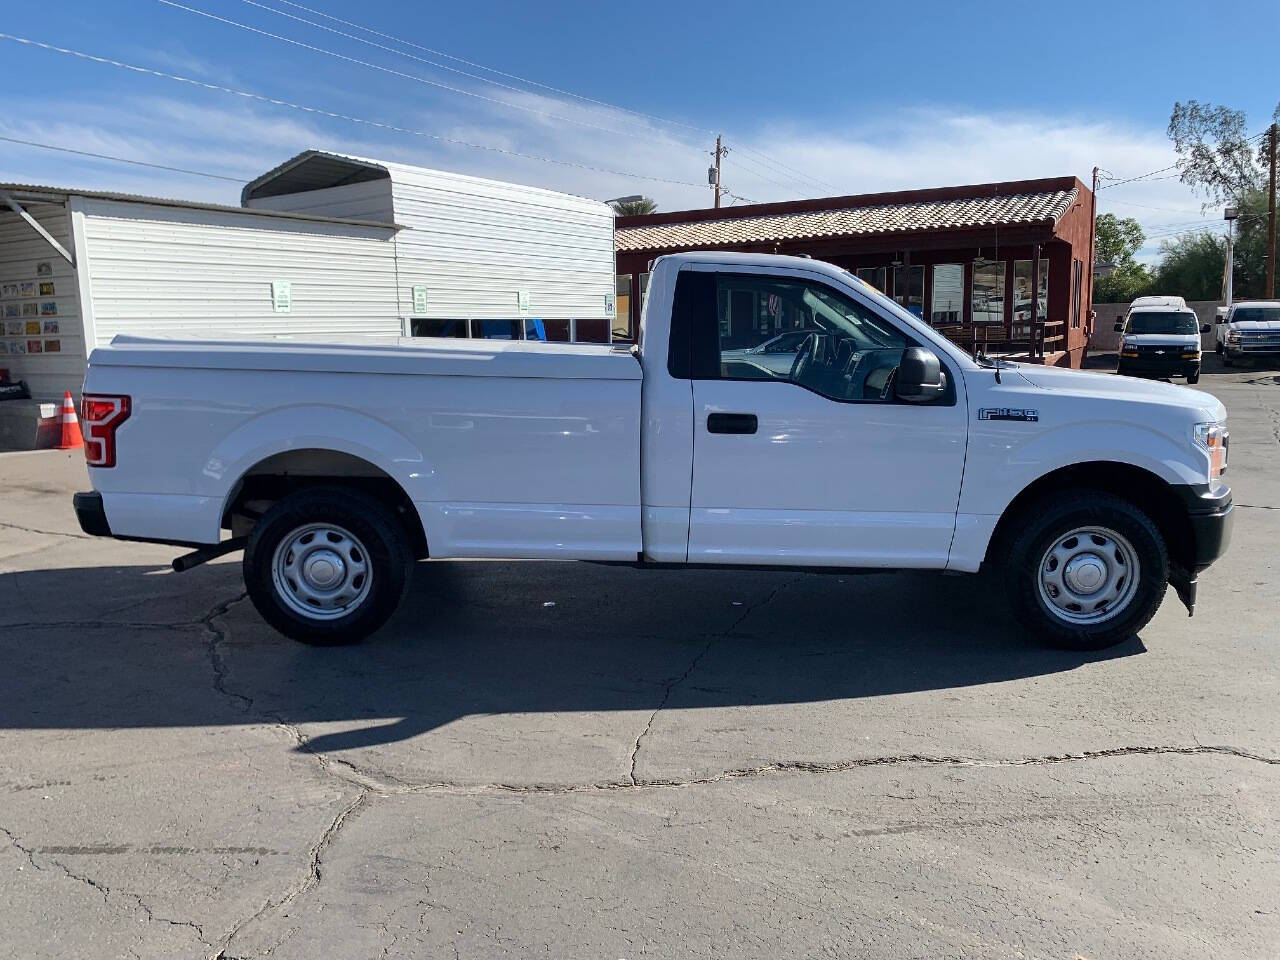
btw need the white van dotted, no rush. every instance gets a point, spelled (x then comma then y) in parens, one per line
(1161, 340)
(1175, 303)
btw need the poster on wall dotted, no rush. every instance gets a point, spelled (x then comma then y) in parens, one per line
(27, 288)
(4, 346)
(13, 328)
(46, 288)
(51, 326)
(8, 290)
(30, 310)
(53, 346)
(35, 346)
(44, 269)
(12, 310)
(17, 346)
(33, 326)
(48, 308)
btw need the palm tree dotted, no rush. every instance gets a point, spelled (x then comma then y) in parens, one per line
(631, 206)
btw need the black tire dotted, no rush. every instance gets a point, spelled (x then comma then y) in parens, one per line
(1217, 348)
(1227, 361)
(1194, 377)
(1042, 526)
(377, 542)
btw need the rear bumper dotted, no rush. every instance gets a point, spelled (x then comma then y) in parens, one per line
(91, 514)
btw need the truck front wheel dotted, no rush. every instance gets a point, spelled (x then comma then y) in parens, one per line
(1086, 571)
(327, 565)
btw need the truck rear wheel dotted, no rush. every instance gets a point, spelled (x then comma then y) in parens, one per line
(327, 565)
(1086, 571)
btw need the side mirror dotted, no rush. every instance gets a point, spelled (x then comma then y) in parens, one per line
(1205, 328)
(1119, 326)
(920, 378)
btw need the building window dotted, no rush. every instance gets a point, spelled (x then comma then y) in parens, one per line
(908, 288)
(622, 307)
(1022, 293)
(497, 329)
(1077, 269)
(948, 294)
(592, 330)
(422, 327)
(1042, 294)
(988, 292)
(874, 276)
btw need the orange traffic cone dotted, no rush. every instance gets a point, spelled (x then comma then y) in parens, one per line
(71, 436)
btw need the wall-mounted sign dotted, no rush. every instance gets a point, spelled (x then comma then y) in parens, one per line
(522, 301)
(610, 305)
(281, 296)
(419, 300)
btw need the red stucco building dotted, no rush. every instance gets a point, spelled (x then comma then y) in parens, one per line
(1001, 267)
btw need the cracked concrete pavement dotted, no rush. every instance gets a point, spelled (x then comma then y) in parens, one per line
(662, 764)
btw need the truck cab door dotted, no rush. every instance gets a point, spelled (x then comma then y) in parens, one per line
(809, 458)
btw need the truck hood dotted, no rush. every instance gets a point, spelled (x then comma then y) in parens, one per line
(1163, 339)
(1256, 325)
(1106, 386)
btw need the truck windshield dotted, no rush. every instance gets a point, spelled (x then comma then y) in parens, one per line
(1153, 321)
(1256, 314)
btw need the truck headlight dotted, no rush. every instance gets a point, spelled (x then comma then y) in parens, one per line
(1233, 336)
(1212, 437)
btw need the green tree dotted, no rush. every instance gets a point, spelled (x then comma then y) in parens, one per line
(631, 208)
(1116, 240)
(1224, 164)
(1191, 265)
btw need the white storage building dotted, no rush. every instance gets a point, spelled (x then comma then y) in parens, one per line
(324, 247)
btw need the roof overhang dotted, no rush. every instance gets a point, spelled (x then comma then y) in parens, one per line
(313, 170)
(37, 193)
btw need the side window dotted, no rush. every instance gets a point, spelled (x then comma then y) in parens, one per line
(804, 333)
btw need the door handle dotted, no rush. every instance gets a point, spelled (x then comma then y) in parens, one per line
(732, 423)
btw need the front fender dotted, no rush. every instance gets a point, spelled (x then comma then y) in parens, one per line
(1004, 458)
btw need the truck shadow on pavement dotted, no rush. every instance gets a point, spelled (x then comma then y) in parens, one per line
(128, 647)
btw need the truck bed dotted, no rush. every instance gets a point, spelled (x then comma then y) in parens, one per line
(512, 449)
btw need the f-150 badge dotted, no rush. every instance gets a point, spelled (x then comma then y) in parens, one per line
(1008, 413)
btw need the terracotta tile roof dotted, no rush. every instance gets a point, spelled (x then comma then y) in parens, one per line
(1045, 206)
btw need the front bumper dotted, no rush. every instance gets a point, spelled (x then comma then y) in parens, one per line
(1161, 366)
(91, 514)
(1210, 510)
(1239, 349)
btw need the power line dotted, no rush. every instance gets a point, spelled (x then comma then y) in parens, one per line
(136, 163)
(795, 174)
(1172, 166)
(493, 70)
(319, 111)
(759, 176)
(402, 75)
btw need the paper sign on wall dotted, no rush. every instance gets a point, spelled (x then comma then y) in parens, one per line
(522, 301)
(281, 296)
(419, 300)
(609, 305)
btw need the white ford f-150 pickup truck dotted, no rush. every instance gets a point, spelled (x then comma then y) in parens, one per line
(880, 444)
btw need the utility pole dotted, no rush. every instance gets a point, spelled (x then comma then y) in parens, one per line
(1093, 253)
(713, 175)
(1271, 219)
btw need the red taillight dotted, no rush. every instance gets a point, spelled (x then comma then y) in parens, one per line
(102, 416)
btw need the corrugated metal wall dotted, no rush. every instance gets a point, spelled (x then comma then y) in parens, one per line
(370, 200)
(55, 316)
(161, 271)
(474, 244)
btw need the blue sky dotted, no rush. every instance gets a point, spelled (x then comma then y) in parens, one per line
(813, 99)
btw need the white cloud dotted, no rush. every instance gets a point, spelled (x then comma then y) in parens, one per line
(213, 132)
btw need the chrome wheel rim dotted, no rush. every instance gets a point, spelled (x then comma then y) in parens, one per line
(1089, 575)
(321, 571)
